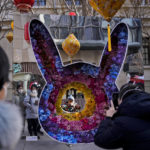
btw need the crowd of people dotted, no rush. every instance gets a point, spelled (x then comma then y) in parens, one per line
(127, 126)
(28, 104)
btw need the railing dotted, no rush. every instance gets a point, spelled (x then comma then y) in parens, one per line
(146, 51)
(40, 3)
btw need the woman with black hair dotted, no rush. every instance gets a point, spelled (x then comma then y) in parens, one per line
(128, 126)
(18, 99)
(10, 116)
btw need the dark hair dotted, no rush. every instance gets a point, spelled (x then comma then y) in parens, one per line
(19, 86)
(129, 89)
(34, 85)
(4, 68)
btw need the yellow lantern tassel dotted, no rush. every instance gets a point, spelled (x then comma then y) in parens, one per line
(12, 25)
(109, 38)
(71, 60)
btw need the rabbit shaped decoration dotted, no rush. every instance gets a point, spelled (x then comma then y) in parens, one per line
(97, 83)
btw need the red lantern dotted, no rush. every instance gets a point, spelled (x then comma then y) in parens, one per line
(72, 14)
(24, 5)
(26, 32)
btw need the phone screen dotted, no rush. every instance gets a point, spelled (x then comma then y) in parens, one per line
(115, 99)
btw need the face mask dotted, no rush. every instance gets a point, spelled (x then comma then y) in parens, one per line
(20, 91)
(34, 93)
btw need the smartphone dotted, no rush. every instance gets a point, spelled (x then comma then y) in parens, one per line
(115, 97)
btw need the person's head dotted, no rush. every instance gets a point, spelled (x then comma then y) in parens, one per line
(70, 100)
(34, 90)
(77, 107)
(4, 74)
(34, 87)
(20, 88)
(128, 89)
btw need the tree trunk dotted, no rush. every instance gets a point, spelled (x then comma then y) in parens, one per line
(84, 5)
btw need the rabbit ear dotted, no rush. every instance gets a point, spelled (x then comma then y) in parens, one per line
(44, 48)
(48, 57)
(111, 62)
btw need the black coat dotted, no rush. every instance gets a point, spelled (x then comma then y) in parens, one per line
(129, 128)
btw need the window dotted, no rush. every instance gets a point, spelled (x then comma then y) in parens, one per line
(69, 2)
(40, 3)
(146, 51)
(143, 2)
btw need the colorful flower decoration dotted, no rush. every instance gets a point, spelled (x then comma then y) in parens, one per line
(96, 83)
(89, 98)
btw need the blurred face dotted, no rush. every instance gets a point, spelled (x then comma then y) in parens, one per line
(77, 106)
(70, 101)
(20, 90)
(34, 88)
(34, 92)
(3, 92)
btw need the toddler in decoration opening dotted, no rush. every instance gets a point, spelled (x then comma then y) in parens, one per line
(70, 105)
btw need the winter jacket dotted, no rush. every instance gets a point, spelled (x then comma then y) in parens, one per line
(129, 128)
(10, 125)
(31, 107)
(18, 99)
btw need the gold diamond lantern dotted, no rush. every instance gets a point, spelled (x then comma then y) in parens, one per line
(71, 46)
(9, 36)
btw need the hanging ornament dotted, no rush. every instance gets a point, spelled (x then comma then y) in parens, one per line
(34, 83)
(107, 8)
(26, 33)
(12, 25)
(109, 38)
(71, 46)
(9, 36)
(72, 14)
(24, 5)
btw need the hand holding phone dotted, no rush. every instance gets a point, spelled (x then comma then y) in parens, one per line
(115, 97)
(111, 111)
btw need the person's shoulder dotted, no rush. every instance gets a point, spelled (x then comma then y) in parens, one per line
(12, 125)
(146, 94)
(125, 121)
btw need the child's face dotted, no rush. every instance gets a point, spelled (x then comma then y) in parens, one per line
(70, 101)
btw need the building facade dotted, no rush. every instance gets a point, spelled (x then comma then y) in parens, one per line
(131, 9)
(22, 52)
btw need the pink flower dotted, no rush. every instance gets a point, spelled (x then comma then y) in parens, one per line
(54, 119)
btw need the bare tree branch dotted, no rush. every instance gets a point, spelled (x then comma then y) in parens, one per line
(137, 10)
(6, 9)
